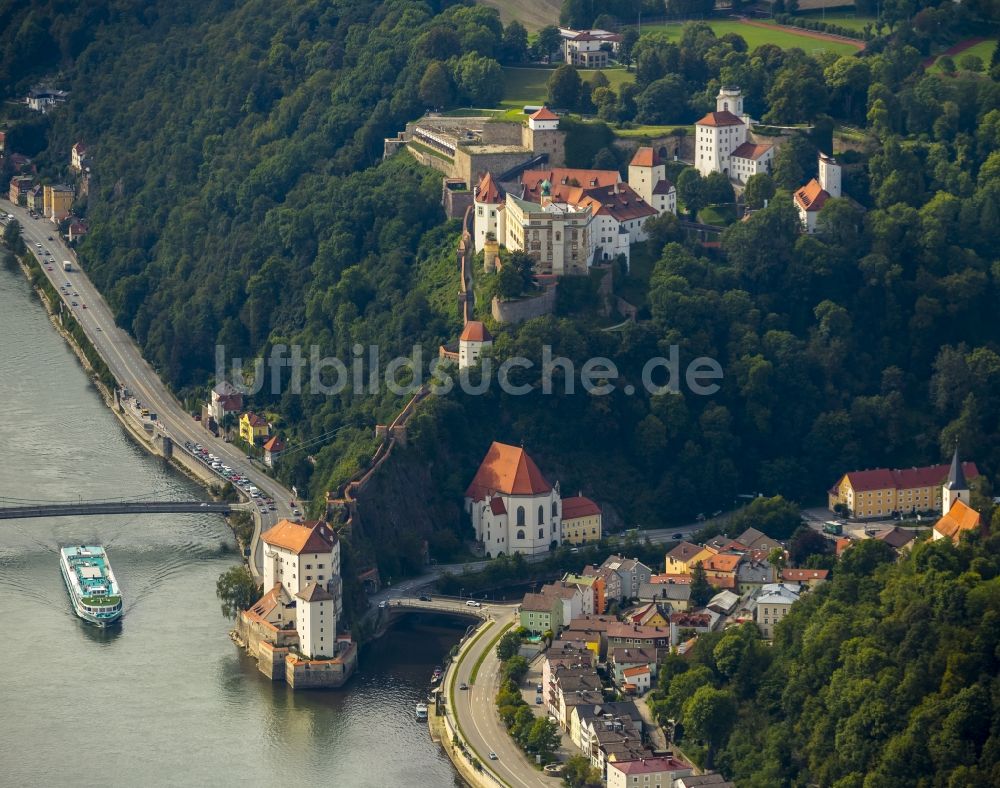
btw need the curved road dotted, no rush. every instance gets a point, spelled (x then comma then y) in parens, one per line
(475, 707)
(123, 357)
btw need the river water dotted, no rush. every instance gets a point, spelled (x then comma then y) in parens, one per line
(167, 699)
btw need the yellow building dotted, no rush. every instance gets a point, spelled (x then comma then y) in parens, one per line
(57, 202)
(581, 520)
(882, 492)
(252, 427)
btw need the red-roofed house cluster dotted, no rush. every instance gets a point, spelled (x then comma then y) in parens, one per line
(721, 143)
(567, 219)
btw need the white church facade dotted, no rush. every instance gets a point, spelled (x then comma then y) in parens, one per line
(512, 506)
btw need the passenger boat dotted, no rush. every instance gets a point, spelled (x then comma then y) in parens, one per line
(91, 584)
(421, 711)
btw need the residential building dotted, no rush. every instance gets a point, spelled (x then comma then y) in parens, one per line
(758, 541)
(581, 520)
(585, 720)
(253, 428)
(78, 157)
(882, 492)
(806, 577)
(753, 575)
(77, 230)
(682, 624)
(647, 175)
(225, 399)
(637, 680)
(810, 199)
(723, 603)
(58, 202)
(593, 630)
(588, 48)
(649, 614)
(624, 576)
(474, 339)
(624, 635)
(591, 585)
(273, 449)
(621, 659)
(720, 569)
(35, 198)
(676, 595)
(541, 613)
(42, 99)
(513, 507)
(573, 686)
(773, 604)
(679, 560)
(20, 185)
(657, 772)
(563, 654)
(899, 539)
(721, 143)
(600, 588)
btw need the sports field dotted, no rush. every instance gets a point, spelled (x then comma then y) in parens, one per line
(983, 50)
(756, 35)
(530, 85)
(846, 19)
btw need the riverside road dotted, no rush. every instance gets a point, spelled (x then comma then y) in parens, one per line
(130, 369)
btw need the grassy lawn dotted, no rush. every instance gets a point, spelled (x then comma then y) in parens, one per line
(983, 50)
(650, 132)
(846, 19)
(755, 36)
(717, 214)
(530, 85)
(429, 150)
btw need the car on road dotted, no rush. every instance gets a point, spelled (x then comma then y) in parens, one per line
(84, 306)
(50, 237)
(383, 604)
(677, 536)
(463, 686)
(493, 756)
(538, 700)
(424, 598)
(74, 303)
(473, 603)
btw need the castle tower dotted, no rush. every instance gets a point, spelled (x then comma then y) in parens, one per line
(316, 622)
(829, 175)
(644, 171)
(730, 99)
(487, 199)
(475, 337)
(956, 488)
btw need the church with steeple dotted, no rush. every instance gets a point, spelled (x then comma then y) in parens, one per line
(957, 515)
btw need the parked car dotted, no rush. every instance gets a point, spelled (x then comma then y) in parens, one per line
(463, 686)
(424, 598)
(473, 603)
(493, 756)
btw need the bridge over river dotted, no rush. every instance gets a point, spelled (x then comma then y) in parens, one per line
(84, 508)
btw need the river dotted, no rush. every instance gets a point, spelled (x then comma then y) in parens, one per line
(166, 699)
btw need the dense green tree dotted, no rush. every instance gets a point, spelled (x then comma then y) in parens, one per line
(564, 87)
(690, 190)
(548, 41)
(236, 590)
(436, 89)
(759, 189)
(508, 645)
(578, 773)
(663, 101)
(479, 80)
(701, 591)
(514, 48)
(794, 163)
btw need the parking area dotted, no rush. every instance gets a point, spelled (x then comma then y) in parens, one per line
(237, 478)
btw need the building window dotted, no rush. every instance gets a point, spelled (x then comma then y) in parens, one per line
(541, 533)
(541, 514)
(520, 516)
(520, 534)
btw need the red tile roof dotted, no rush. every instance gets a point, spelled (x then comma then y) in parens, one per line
(960, 518)
(675, 579)
(619, 201)
(544, 114)
(684, 551)
(724, 118)
(311, 537)
(638, 670)
(475, 331)
(255, 420)
(804, 575)
(722, 563)
(578, 506)
(663, 186)
(562, 179)
(497, 507)
(274, 445)
(906, 478)
(507, 470)
(751, 150)
(812, 196)
(646, 157)
(489, 191)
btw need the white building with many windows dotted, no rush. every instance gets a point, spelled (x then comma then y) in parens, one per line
(722, 144)
(513, 507)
